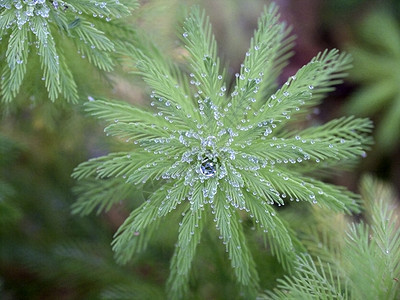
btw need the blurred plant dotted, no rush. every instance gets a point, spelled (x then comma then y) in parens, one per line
(376, 69)
(9, 212)
(47, 31)
(54, 255)
(212, 156)
(362, 262)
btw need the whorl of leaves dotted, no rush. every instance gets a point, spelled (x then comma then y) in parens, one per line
(220, 157)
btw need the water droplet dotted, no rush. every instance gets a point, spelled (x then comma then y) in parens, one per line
(208, 168)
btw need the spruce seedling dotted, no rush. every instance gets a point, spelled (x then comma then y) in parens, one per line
(40, 29)
(221, 156)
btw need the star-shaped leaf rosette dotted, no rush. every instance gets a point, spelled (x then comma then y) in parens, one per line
(220, 156)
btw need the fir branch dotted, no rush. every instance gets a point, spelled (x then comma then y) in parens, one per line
(210, 154)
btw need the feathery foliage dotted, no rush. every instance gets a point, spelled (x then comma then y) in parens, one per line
(377, 61)
(219, 157)
(365, 266)
(309, 282)
(40, 29)
(374, 248)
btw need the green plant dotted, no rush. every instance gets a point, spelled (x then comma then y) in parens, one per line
(365, 266)
(41, 244)
(9, 212)
(376, 68)
(213, 157)
(41, 31)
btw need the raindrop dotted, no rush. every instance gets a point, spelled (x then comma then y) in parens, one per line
(208, 168)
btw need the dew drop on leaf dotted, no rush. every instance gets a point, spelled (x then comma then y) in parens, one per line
(208, 168)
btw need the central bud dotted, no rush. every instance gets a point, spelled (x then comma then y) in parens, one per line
(209, 160)
(208, 167)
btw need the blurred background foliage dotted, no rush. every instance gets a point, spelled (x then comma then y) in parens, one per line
(48, 253)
